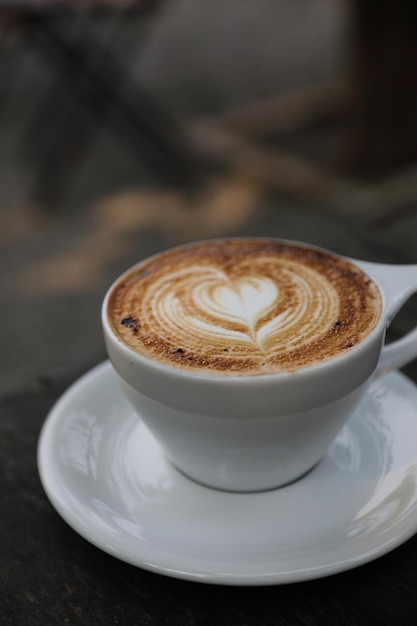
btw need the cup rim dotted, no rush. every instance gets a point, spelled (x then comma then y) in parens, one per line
(242, 378)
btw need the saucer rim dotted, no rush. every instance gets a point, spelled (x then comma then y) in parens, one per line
(168, 569)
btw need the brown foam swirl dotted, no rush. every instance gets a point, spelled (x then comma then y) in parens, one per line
(244, 306)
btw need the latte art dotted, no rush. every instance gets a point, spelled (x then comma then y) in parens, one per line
(253, 312)
(244, 306)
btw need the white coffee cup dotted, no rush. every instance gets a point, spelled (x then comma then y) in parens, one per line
(252, 433)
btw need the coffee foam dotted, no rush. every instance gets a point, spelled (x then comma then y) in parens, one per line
(244, 307)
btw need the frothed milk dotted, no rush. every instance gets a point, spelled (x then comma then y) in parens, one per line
(244, 307)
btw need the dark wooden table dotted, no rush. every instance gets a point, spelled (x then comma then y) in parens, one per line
(50, 575)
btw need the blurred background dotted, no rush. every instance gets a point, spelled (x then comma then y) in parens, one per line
(130, 126)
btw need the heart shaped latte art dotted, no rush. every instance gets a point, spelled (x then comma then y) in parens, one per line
(244, 307)
(242, 303)
(203, 307)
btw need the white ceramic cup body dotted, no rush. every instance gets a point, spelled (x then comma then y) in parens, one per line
(258, 432)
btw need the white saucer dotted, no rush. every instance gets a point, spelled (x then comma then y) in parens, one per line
(105, 475)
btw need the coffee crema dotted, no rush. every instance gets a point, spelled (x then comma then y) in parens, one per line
(244, 307)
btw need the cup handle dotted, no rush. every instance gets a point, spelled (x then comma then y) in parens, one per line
(398, 283)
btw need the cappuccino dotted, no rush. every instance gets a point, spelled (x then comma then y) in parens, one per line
(244, 307)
